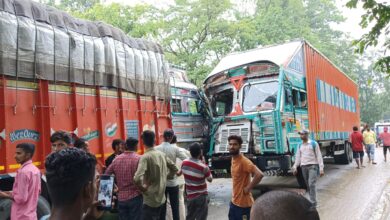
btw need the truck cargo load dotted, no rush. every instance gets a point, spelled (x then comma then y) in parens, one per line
(268, 94)
(87, 78)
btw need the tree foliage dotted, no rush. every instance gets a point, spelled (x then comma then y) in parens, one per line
(377, 18)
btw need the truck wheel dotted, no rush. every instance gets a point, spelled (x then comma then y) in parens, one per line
(5, 209)
(300, 179)
(345, 157)
(43, 207)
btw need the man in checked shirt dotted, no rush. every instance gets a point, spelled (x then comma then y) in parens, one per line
(124, 167)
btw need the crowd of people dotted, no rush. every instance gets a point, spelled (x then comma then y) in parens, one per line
(145, 182)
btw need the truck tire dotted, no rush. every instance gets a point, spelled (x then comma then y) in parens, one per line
(5, 209)
(346, 157)
(43, 208)
(300, 179)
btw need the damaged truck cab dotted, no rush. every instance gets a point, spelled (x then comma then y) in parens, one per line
(267, 95)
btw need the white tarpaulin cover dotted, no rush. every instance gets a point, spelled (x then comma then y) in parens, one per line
(279, 55)
(40, 42)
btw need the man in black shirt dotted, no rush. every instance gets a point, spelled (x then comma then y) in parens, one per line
(117, 146)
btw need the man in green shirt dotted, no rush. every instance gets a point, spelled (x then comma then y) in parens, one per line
(153, 170)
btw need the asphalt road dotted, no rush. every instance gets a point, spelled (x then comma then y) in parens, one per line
(343, 193)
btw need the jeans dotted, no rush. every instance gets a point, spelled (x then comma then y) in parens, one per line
(151, 213)
(173, 194)
(131, 209)
(197, 208)
(310, 174)
(371, 151)
(238, 213)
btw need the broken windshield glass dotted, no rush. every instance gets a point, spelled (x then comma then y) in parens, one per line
(259, 97)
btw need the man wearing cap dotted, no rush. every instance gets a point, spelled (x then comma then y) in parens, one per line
(385, 138)
(309, 158)
(172, 190)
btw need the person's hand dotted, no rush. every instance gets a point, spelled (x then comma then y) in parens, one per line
(93, 212)
(116, 189)
(145, 186)
(322, 173)
(5, 194)
(295, 172)
(179, 173)
(247, 190)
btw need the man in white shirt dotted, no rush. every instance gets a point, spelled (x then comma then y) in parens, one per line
(309, 158)
(172, 190)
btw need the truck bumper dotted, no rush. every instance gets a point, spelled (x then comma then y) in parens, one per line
(279, 162)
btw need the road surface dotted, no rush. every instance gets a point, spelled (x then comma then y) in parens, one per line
(343, 193)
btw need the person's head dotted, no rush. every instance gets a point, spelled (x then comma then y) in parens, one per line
(60, 140)
(174, 139)
(195, 150)
(148, 138)
(304, 134)
(385, 129)
(81, 144)
(70, 175)
(24, 152)
(131, 144)
(235, 143)
(355, 128)
(118, 146)
(168, 135)
(280, 205)
(367, 127)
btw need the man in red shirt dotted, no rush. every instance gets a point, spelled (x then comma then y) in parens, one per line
(124, 167)
(195, 175)
(356, 139)
(385, 137)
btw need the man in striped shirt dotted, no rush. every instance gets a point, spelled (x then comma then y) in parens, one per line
(195, 173)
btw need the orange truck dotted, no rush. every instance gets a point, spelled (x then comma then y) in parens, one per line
(267, 94)
(62, 73)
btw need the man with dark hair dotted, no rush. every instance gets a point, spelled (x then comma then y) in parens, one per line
(117, 145)
(81, 144)
(70, 175)
(124, 167)
(385, 138)
(154, 169)
(369, 138)
(172, 189)
(309, 158)
(356, 140)
(60, 140)
(195, 175)
(242, 170)
(27, 185)
(281, 205)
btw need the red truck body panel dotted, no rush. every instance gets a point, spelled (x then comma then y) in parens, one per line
(31, 111)
(324, 116)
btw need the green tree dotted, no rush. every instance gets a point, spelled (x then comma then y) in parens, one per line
(377, 17)
(196, 34)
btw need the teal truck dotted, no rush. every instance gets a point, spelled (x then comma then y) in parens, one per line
(267, 94)
(188, 121)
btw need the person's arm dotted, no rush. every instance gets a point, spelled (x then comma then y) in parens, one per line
(257, 176)
(20, 194)
(297, 161)
(180, 154)
(172, 169)
(110, 169)
(139, 175)
(208, 175)
(319, 159)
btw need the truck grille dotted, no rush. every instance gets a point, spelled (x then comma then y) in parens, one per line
(242, 131)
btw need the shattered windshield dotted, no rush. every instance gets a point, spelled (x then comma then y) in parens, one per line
(259, 97)
(222, 102)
